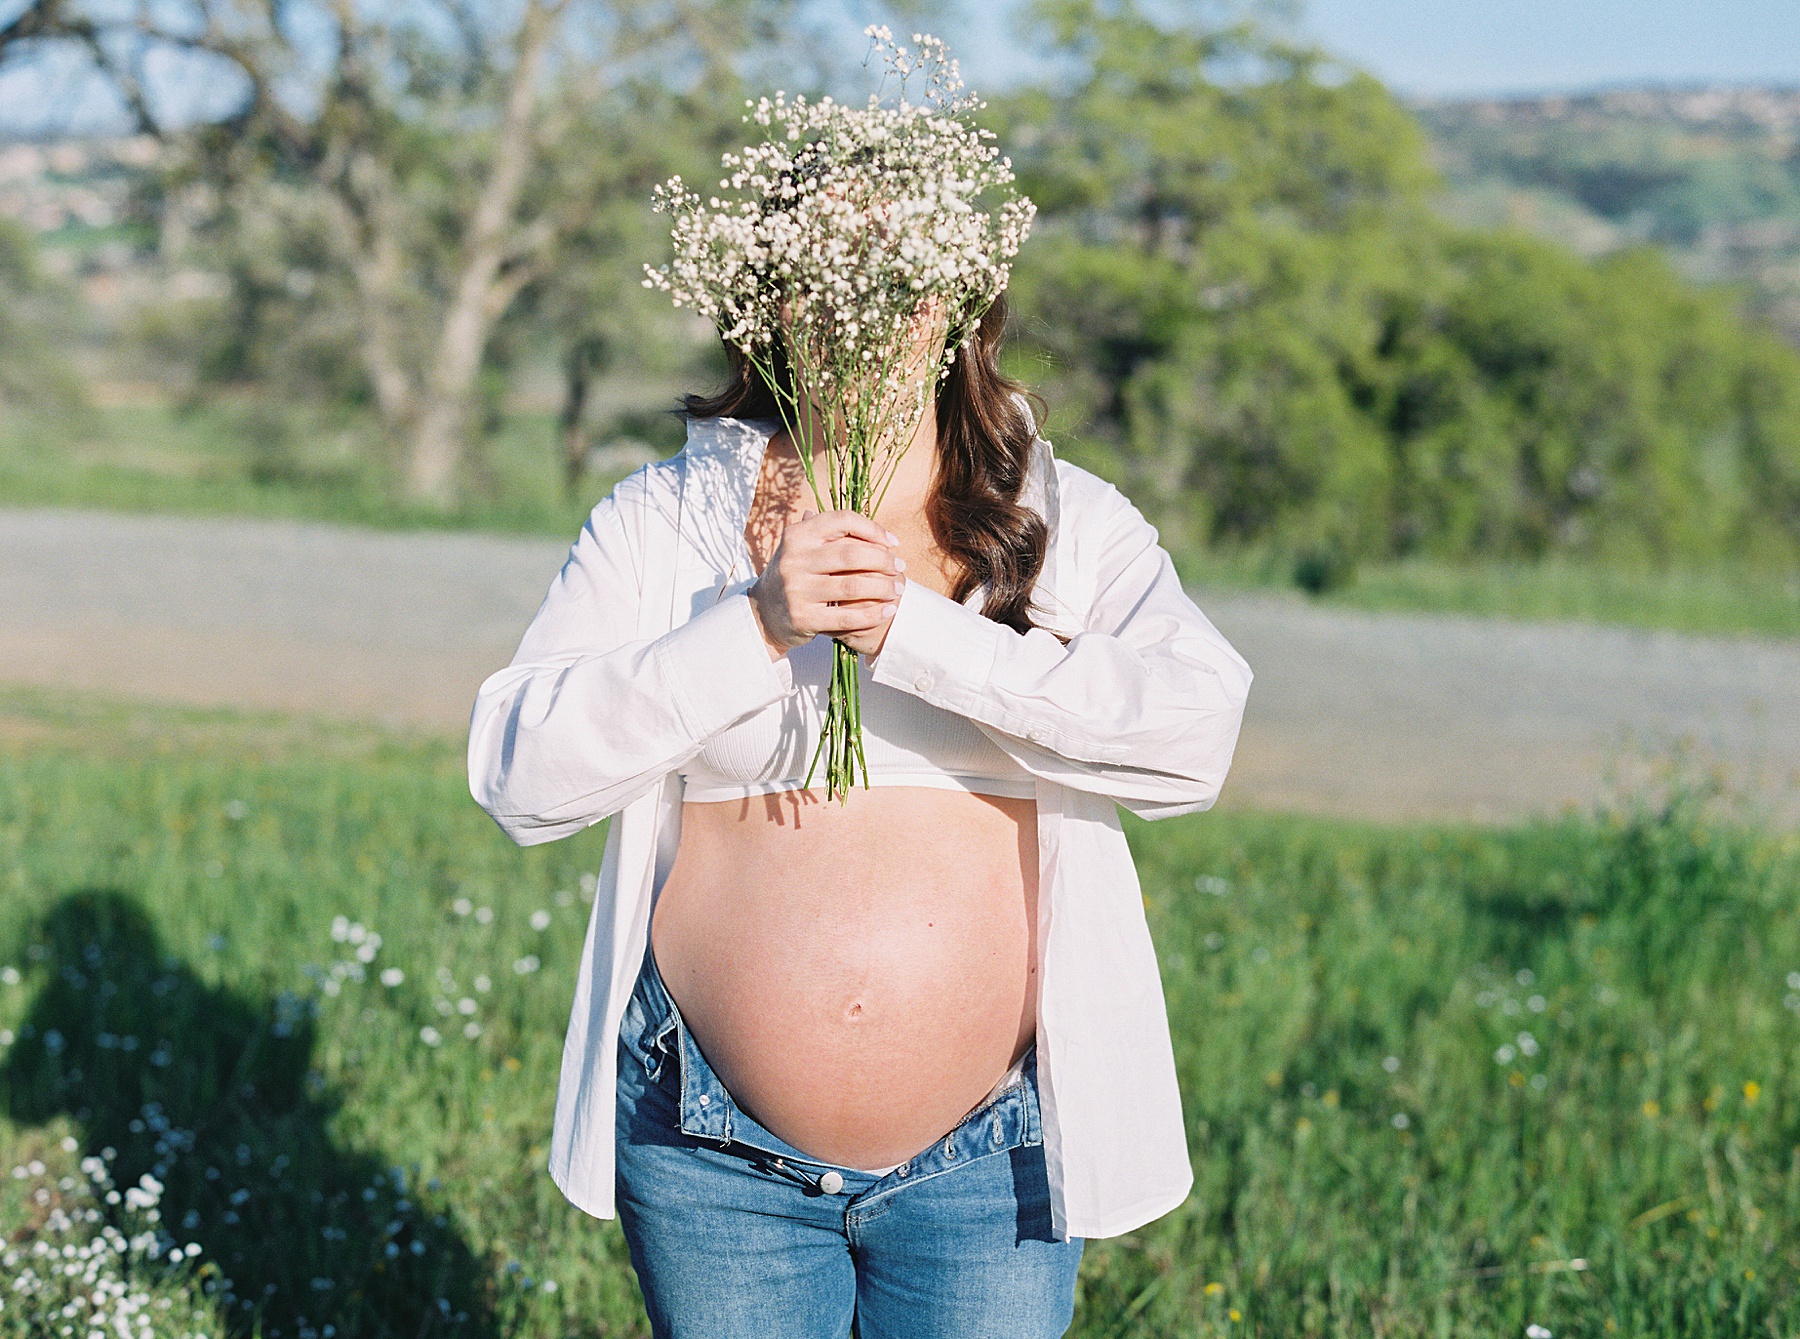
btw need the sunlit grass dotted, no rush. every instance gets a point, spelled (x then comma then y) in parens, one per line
(1728, 600)
(243, 460)
(1725, 600)
(1437, 1080)
(226, 459)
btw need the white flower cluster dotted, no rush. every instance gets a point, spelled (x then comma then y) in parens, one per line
(860, 246)
(83, 1273)
(849, 234)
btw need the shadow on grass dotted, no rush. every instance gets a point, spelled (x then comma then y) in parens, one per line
(208, 1091)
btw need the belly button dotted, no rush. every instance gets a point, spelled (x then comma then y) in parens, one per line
(856, 1011)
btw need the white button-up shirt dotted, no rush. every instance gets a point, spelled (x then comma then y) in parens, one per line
(1123, 694)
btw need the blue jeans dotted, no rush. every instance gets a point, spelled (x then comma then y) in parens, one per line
(735, 1233)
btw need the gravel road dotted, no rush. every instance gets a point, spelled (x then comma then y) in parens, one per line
(1377, 715)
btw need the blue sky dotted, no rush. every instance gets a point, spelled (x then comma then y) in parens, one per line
(1504, 46)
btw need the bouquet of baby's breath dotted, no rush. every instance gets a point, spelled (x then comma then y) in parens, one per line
(861, 247)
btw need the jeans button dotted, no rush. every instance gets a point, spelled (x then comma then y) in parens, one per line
(705, 1101)
(831, 1183)
(903, 1169)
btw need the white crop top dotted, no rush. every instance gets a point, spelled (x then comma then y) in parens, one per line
(906, 742)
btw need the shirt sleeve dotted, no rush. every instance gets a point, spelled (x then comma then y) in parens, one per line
(588, 715)
(1143, 705)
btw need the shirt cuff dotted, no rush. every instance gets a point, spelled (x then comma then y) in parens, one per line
(719, 666)
(938, 649)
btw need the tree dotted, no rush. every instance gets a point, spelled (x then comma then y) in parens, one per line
(1207, 250)
(34, 371)
(1269, 336)
(414, 167)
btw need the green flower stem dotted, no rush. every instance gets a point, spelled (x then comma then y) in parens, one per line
(878, 426)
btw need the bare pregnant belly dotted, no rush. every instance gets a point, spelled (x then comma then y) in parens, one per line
(859, 976)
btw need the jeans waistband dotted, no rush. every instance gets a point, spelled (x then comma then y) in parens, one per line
(1007, 1118)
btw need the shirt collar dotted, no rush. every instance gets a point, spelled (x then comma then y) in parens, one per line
(723, 460)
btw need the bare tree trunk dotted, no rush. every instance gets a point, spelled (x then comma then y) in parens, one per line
(378, 270)
(585, 358)
(482, 291)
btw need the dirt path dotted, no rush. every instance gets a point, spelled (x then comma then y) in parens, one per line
(1380, 715)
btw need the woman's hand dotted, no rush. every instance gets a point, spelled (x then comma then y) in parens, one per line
(833, 572)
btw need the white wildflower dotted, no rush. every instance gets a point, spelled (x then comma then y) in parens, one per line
(859, 246)
(78, 1263)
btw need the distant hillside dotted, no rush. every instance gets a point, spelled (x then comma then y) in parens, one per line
(1711, 174)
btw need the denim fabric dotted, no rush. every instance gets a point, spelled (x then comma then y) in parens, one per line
(734, 1232)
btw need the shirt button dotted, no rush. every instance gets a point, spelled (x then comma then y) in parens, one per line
(923, 683)
(831, 1183)
(705, 1101)
(1035, 735)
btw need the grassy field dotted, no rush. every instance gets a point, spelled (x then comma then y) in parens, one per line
(226, 459)
(1438, 1081)
(241, 460)
(1724, 601)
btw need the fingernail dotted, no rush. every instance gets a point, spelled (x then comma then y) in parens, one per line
(892, 537)
(899, 587)
(887, 611)
(899, 563)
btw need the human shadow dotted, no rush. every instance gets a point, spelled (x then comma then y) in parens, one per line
(208, 1090)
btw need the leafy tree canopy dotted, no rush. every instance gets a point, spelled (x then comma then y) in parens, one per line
(1261, 327)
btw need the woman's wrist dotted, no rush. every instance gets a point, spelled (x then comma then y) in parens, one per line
(776, 650)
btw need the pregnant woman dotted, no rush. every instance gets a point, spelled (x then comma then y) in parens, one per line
(886, 1061)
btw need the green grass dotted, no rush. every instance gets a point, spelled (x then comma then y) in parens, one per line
(240, 460)
(1378, 1149)
(245, 460)
(1729, 600)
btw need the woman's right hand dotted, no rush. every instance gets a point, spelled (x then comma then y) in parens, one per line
(833, 572)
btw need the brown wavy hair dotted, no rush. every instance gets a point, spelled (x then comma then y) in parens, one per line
(983, 452)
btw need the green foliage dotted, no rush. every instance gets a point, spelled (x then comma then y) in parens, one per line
(257, 457)
(1243, 301)
(35, 373)
(1377, 1146)
(1709, 174)
(1458, 1083)
(1260, 326)
(81, 1249)
(1667, 164)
